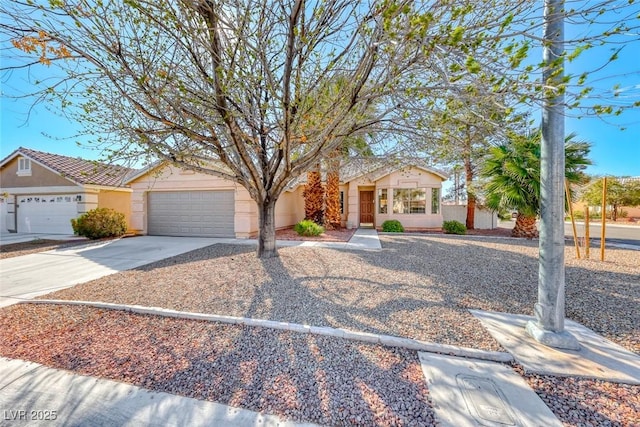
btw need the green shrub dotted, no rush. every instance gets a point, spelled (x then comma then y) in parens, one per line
(576, 215)
(307, 227)
(454, 227)
(392, 226)
(99, 223)
(504, 214)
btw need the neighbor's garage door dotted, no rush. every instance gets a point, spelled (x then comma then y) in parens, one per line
(3, 214)
(191, 213)
(46, 214)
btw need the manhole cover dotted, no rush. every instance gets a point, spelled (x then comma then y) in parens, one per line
(486, 403)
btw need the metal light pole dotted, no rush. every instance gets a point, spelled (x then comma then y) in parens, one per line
(548, 327)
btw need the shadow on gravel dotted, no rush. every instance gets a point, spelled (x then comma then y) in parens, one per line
(297, 376)
(502, 278)
(201, 254)
(417, 286)
(560, 395)
(332, 380)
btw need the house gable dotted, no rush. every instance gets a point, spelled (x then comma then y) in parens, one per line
(76, 171)
(42, 192)
(409, 177)
(39, 177)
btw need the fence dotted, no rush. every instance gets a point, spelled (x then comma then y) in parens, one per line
(484, 218)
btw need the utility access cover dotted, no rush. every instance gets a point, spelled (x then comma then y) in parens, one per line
(485, 400)
(469, 392)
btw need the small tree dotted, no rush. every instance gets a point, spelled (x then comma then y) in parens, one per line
(513, 173)
(619, 193)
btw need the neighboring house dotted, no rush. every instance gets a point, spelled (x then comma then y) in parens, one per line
(630, 212)
(41, 192)
(175, 202)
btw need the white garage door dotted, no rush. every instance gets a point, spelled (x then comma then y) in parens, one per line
(3, 214)
(191, 213)
(46, 213)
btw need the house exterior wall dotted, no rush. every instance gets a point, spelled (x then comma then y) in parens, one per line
(353, 199)
(40, 177)
(169, 178)
(409, 178)
(120, 201)
(632, 212)
(289, 208)
(41, 182)
(344, 190)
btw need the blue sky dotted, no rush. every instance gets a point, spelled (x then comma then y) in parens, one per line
(614, 151)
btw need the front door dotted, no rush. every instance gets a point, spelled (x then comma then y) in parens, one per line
(366, 207)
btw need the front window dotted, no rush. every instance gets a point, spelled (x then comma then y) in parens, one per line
(435, 200)
(409, 200)
(382, 200)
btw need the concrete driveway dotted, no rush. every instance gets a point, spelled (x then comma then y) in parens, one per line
(28, 276)
(7, 238)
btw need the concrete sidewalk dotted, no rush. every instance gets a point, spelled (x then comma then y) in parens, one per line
(32, 394)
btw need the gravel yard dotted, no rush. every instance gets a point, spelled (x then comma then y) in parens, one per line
(418, 287)
(34, 246)
(298, 376)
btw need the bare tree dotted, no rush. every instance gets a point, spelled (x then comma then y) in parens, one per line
(226, 88)
(223, 87)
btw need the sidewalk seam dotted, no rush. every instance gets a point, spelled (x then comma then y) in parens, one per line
(366, 337)
(38, 366)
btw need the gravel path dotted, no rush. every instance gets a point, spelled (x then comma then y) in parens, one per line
(418, 287)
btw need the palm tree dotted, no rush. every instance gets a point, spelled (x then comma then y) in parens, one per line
(314, 196)
(513, 172)
(357, 145)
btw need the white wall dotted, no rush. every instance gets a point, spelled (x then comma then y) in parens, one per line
(484, 218)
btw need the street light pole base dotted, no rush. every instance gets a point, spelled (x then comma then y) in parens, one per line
(563, 340)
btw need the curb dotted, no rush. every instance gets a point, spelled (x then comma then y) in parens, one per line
(386, 340)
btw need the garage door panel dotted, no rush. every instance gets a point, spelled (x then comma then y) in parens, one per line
(46, 214)
(191, 213)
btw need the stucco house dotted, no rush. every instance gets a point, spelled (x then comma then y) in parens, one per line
(41, 192)
(169, 201)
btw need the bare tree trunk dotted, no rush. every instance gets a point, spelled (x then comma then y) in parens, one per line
(332, 192)
(525, 227)
(471, 200)
(267, 227)
(471, 195)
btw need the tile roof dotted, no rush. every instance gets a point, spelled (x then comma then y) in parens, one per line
(78, 170)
